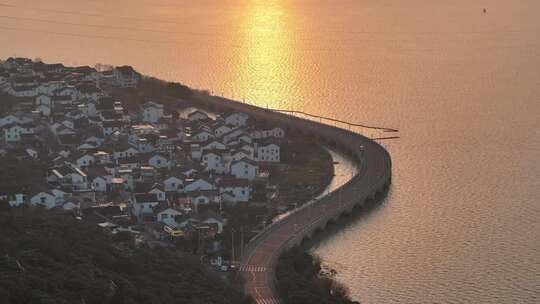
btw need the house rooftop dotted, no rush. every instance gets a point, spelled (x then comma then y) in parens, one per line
(146, 198)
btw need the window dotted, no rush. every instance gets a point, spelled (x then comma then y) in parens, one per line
(158, 161)
(173, 185)
(43, 198)
(164, 216)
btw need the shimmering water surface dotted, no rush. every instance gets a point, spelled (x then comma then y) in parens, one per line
(461, 222)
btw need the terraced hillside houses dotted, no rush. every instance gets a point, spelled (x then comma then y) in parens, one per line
(106, 163)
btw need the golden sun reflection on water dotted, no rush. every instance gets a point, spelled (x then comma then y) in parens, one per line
(265, 37)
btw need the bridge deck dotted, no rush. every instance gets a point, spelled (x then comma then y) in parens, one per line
(375, 173)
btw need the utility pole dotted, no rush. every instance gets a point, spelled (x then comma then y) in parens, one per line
(310, 204)
(242, 243)
(232, 247)
(340, 195)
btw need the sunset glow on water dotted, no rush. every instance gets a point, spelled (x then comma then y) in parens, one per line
(460, 224)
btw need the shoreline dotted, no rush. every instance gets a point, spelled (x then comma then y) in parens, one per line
(362, 189)
(265, 248)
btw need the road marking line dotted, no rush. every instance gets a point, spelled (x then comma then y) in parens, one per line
(268, 301)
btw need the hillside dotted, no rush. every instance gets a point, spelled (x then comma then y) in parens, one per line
(47, 258)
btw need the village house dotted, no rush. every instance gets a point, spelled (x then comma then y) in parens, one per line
(213, 145)
(110, 127)
(69, 176)
(125, 76)
(159, 192)
(68, 91)
(203, 197)
(199, 184)
(234, 190)
(130, 163)
(213, 161)
(211, 218)
(221, 129)
(15, 199)
(44, 109)
(168, 216)
(43, 99)
(267, 152)
(72, 204)
(240, 154)
(142, 204)
(232, 136)
(88, 145)
(173, 184)
(197, 115)
(10, 119)
(23, 91)
(14, 132)
(85, 160)
(100, 184)
(158, 161)
(152, 112)
(43, 198)
(202, 135)
(236, 119)
(274, 132)
(244, 169)
(124, 152)
(196, 151)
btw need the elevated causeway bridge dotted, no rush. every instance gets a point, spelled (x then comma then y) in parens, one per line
(374, 177)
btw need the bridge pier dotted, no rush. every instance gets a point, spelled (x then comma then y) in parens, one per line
(376, 176)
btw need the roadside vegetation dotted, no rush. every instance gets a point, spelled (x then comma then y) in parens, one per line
(299, 281)
(170, 94)
(306, 170)
(50, 258)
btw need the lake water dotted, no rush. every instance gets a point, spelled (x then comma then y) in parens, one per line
(461, 223)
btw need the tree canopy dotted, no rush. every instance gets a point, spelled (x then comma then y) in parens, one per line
(299, 282)
(54, 258)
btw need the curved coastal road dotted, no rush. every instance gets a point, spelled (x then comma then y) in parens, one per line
(373, 176)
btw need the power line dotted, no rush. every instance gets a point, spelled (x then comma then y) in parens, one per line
(78, 13)
(330, 30)
(105, 26)
(159, 20)
(49, 10)
(116, 38)
(2, 27)
(175, 42)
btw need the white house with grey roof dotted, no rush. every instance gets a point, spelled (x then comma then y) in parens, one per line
(237, 119)
(173, 184)
(244, 169)
(152, 112)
